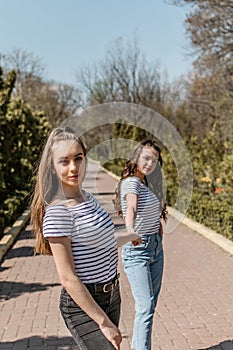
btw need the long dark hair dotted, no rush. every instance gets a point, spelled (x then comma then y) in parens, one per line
(154, 181)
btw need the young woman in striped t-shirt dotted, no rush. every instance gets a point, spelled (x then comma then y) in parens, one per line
(71, 225)
(139, 199)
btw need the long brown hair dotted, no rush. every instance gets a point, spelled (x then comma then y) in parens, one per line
(46, 185)
(154, 181)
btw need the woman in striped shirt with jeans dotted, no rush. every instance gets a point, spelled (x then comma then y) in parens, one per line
(71, 225)
(139, 199)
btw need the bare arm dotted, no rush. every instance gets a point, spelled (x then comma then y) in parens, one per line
(131, 213)
(63, 257)
(122, 237)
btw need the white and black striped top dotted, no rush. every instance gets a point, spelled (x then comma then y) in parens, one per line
(148, 207)
(91, 232)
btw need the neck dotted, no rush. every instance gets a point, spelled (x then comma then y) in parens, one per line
(62, 194)
(140, 175)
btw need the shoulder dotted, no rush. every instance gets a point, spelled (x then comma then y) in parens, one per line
(57, 211)
(131, 184)
(57, 221)
(131, 180)
(90, 199)
(89, 195)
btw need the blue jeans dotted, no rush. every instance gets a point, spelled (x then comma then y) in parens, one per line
(143, 265)
(84, 330)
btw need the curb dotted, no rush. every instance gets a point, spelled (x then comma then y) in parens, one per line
(208, 233)
(9, 237)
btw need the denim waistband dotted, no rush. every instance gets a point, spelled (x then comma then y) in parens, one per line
(150, 238)
(95, 288)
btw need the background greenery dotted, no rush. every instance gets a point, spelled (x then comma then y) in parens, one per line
(200, 106)
(21, 135)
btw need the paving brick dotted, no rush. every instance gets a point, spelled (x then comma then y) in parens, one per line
(195, 308)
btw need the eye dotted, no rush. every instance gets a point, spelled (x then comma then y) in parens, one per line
(79, 158)
(63, 161)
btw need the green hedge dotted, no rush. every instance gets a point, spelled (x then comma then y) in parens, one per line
(21, 136)
(215, 212)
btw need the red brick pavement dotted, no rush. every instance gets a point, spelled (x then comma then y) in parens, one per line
(195, 309)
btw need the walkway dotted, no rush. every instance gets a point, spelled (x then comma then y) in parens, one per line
(195, 309)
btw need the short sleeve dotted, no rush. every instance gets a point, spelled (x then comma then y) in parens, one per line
(130, 185)
(57, 222)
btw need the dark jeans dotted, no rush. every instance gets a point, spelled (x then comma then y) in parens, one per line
(84, 330)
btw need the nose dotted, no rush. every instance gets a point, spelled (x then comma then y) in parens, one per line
(150, 162)
(73, 166)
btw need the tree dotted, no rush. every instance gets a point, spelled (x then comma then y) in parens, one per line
(27, 66)
(58, 101)
(210, 29)
(211, 107)
(124, 76)
(209, 26)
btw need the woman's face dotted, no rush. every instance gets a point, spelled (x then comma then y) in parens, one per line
(69, 164)
(147, 160)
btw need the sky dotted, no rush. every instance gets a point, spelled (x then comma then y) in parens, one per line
(69, 34)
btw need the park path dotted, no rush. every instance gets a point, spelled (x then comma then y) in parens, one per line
(195, 308)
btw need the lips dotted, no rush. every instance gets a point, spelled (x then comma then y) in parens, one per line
(74, 177)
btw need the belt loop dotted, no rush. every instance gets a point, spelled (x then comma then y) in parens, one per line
(95, 289)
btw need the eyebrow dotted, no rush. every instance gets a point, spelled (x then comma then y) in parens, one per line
(151, 157)
(76, 155)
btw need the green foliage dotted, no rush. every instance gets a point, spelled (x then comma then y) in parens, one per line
(128, 131)
(206, 156)
(212, 199)
(115, 166)
(170, 178)
(21, 136)
(214, 212)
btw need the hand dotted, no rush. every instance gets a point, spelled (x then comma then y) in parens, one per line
(112, 333)
(136, 242)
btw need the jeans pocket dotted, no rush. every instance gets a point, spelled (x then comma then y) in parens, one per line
(159, 247)
(129, 252)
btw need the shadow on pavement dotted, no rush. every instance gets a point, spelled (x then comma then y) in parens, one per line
(4, 268)
(225, 345)
(19, 252)
(23, 251)
(39, 343)
(10, 289)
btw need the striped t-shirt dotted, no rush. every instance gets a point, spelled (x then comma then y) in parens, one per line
(148, 207)
(91, 232)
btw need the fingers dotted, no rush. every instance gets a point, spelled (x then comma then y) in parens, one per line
(116, 346)
(117, 340)
(113, 334)
(136, 242)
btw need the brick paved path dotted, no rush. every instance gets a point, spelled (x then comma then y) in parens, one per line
(195, 309)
